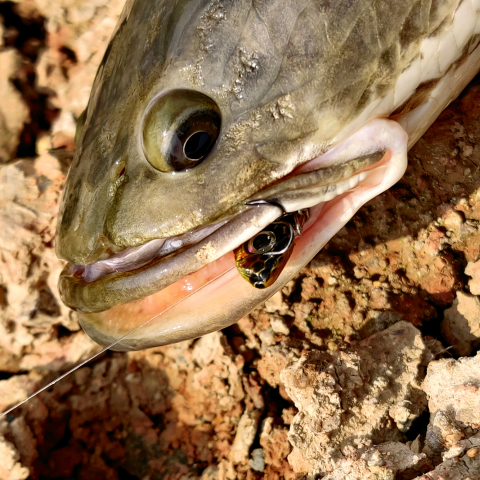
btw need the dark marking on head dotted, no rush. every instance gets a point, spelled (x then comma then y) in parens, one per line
(71, 204)
(418, 97)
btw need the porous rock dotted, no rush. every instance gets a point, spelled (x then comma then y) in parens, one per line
(352, 399)
(453, 391)
(461, 324)
(463, 468)
(246, 432)
(24, 440)
(274, 359)
(29, 270)
(274, 441)
(473, 270)
(388, 461)
(257, 462)
(279, 325)
(17, 388)
(13, 110)
(84, 28)
(10, 466)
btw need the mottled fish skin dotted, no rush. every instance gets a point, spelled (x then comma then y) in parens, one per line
(288, 76)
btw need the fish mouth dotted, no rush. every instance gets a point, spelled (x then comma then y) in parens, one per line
(139, 271)
(190, 285)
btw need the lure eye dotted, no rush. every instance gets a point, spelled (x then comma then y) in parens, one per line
(262, 242)
(180, 130)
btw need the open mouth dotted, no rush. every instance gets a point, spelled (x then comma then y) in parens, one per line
(172, 259)
(189, 285)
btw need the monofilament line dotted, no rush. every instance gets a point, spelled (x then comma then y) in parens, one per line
(131, 332)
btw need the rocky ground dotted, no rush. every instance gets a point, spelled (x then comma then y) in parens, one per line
(362, 367)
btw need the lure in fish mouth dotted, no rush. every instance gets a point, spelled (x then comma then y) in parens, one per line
(211, 123)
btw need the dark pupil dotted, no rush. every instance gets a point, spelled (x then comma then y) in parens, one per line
(261, 241)
(197, 145)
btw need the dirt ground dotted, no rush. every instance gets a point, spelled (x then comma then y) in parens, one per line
(362, 367)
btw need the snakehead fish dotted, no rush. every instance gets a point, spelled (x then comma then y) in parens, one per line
(211, 119)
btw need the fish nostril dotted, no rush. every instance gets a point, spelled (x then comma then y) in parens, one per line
(119, 172)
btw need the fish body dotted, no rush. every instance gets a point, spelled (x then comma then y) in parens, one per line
(201, 106)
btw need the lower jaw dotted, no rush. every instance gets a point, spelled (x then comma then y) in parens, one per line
(217, 296)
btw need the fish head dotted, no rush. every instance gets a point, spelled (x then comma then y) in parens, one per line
(198, 107)
(186, 72)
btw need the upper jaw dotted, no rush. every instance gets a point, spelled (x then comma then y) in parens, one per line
(116, 288)
(132, 258)
(137, 272)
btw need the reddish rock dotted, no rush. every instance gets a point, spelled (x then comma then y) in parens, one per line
(14, 112)
(274, 441)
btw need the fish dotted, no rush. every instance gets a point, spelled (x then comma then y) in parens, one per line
(209, 120)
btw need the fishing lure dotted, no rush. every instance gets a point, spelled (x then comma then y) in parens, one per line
(261, 259)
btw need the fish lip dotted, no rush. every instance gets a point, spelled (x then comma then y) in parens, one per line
(80, 292)
(144, 254)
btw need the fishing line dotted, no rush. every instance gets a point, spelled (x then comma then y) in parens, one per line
(103, 350)
(108, 347)
(116, 342)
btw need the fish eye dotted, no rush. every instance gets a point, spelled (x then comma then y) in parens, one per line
(180, 130)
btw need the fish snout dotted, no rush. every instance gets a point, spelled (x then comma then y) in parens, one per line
(82, 237)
